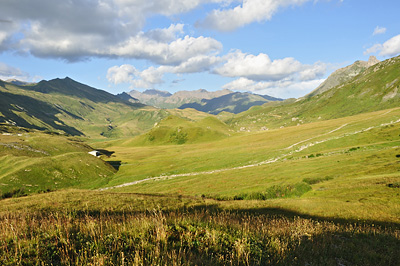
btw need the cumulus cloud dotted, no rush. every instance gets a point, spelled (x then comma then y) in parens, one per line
(121, 74)
(261, 68)
(252, 73)
(176, 52)
(379, 30)
(389, 48)
(249, 11)
(99, 28)
(152, 76)
(280, 77)
(280, 88)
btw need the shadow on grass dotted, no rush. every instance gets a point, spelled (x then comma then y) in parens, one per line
(105, 152)
(115, 164)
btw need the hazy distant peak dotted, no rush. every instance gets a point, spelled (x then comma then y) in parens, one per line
(157, 92)
(17, 82)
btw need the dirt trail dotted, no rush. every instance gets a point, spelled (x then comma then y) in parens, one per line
(269, 161)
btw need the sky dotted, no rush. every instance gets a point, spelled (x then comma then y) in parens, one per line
(281, 48)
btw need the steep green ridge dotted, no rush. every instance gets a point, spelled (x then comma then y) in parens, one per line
(236, 102)
(67, 106)
(33, 161)
(376, 88)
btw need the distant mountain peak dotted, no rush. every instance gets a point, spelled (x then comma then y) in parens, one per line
(372, 61)
(157, 92)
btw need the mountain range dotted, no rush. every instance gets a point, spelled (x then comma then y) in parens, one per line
(67, 106)
(202, 100)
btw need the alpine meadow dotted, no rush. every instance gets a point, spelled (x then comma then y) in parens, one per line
(273, 164)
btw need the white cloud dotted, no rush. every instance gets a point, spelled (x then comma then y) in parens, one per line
(261, 68)
(165, 35)
(99, 28)
(121, 74)
(281, 88)
(249, 11)
(389, 48)
(285, 77)
(9, 72)
(257, 67)
(154, 75)
(379, 30)
(373, 49)
(176, 52)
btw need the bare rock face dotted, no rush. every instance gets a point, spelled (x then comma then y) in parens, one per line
(372, 61)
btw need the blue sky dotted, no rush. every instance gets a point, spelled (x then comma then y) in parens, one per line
(283, 48)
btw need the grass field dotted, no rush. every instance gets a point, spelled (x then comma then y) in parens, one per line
(323, 193)
(346, 168)
(103, 228)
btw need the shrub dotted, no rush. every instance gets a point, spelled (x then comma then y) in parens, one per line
(316, 180)
(16, 192)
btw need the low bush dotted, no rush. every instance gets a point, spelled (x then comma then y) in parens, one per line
(316, 180)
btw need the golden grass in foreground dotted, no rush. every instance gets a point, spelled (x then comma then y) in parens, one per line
(93, 228)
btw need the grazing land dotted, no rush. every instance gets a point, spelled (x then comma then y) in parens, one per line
(313, 181)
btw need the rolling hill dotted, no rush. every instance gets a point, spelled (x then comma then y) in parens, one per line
(32, 161)
(179, 130)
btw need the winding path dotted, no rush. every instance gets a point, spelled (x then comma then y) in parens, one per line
(273, 160)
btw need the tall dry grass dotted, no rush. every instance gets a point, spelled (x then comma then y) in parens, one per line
(196, 236)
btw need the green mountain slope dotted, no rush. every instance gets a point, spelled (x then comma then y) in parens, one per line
(376, 88)
(32, 161)
(67, 106)
(342, 75)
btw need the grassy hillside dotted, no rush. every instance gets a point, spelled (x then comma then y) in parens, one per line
(66, 106)
(180, 130)
(342, 167)
(321, 186)
(31, 161)
(377, 88)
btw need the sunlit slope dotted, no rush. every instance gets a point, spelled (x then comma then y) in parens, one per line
(351, 159)
(67, 106)
(377, 88)
(32, 161)
(181, 130)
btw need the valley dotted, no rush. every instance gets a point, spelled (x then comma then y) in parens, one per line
(308, 181)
